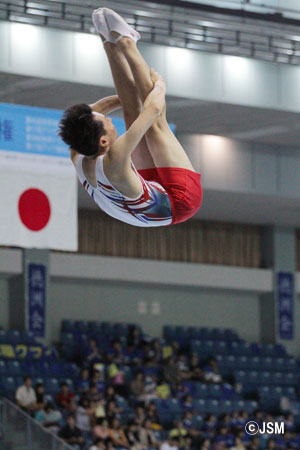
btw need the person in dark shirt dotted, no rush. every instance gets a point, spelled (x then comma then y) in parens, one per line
(65, 398)
(40, 396)
(71, 434)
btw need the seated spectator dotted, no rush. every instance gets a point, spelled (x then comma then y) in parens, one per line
(195, 370)
(139, 415)
(170, 372)
(131, 434)
(152, 416)
(92, 394)
(98, 445)
(163, 390)
(170, 444)
(83, 381)
(115, 354)
(101, 429)
(134, 337)
(65, 399)
(254, 444)
(183, 367)
(112, 411)
(187, 403)
(179, 432)
(26, 396)
(211, 371)
(146, 436)
(110, 394)
(71, 434)
(40, 396)
(150, 391)
(49, 417)
(93, 355)
(117, 435)
(192, 431)
(97, 378)
(224, 438)
(137, 386)
(83, 415)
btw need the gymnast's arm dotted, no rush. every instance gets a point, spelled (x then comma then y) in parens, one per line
(106, 105)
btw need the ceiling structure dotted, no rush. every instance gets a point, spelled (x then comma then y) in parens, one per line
(235, 27)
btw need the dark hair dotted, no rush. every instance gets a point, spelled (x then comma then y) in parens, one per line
(80, 131)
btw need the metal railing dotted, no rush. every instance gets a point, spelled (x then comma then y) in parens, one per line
(18, 431)
(175, 24)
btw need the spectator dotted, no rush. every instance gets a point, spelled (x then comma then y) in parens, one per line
(71, 434)
(97, 379)
(196, 372)
(26, 396)
(179, 432)
(110, 394)
(93, 355)
(112, 411)
(117, 435)
(93, 395)
(40, 396)
(146, 436)
(83, 381)
(134, 337)
(170, 372)
(140, 415)
(137, 386)
(211, 371)
(170, 444)
(115, 354)
(150, 388)
(132, 437)
(49, 417)
(84, 414)
(65, 398)
(163, 390)
(205, 444)
(101, 429)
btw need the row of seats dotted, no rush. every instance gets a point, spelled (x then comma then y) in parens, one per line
(277, 392)
(17, 337)
(38, 368)
(90, 327)
(205, 406)
(173, 333)
(231, 362)
(236, 348)
(266, 378)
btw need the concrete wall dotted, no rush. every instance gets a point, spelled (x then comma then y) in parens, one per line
(3, 302)
(181, 306)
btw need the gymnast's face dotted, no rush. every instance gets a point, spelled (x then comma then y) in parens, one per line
(111, 133)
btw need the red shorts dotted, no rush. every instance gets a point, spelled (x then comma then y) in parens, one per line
(183, 186)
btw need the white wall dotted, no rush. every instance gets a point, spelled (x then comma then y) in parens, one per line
(182, 306)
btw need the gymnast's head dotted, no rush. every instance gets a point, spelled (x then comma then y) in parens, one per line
(87, 132)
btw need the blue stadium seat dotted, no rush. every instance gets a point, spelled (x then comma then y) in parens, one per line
(14, 368)
(200, 406)
(13, 337)
(201, 390)
(3, 368)
(27, 338)
(8, 384)
(213, 406)
(221, 347)
(214, 391)
(3, 339)
(82, 326)
(68, 326)
(52, 386)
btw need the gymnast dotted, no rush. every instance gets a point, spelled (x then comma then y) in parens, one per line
(144, 177)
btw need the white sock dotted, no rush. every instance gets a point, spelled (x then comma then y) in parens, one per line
(101, 25)
(116, 23)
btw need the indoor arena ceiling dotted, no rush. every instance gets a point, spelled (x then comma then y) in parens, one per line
(235, 27)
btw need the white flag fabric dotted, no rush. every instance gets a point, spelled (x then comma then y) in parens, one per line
(38, 210)
(38, 184)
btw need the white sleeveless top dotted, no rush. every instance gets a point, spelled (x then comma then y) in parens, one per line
(152, 208)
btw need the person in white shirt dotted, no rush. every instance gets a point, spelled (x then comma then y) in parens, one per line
(171, 444)
(26, 396)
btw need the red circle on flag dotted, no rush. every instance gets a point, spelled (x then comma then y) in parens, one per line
(34, 209)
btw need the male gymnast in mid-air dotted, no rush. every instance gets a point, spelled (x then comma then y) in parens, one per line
(144, 177)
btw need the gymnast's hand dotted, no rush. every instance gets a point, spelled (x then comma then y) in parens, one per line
(156, 98)
(157, 79)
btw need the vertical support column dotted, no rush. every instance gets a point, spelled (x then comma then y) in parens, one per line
(278, 310)
(28, 294)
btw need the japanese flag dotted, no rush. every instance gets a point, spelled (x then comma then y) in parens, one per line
(38, 209)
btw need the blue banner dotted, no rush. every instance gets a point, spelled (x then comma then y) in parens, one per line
(31, 130)
(36, 280)
(285, 295)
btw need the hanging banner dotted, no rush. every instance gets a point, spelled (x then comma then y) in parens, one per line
(285, 296)
(36, 299)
